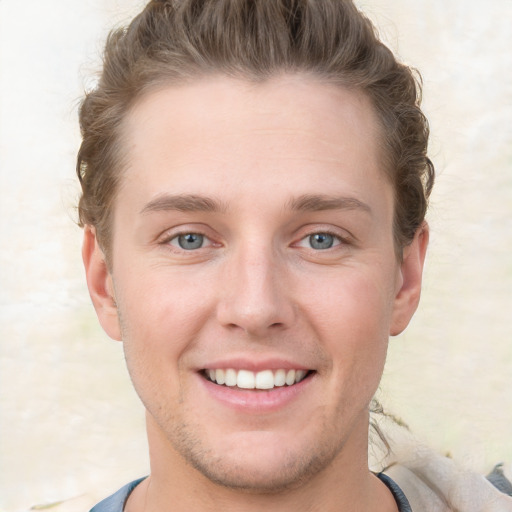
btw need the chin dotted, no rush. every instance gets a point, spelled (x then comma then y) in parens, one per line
(258, 462)
(252, 478)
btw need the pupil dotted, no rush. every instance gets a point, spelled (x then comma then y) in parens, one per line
(190, 241)
(321, 241)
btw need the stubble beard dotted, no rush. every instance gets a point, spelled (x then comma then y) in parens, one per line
(294, 471)
(187, 440)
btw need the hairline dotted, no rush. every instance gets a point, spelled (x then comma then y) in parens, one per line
(192, 76)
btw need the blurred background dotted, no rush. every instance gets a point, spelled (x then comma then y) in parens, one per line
(70, 423)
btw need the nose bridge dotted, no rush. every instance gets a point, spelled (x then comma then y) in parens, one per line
(255, 295)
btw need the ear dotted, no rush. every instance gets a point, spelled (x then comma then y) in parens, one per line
(409, 280)
(100, 284)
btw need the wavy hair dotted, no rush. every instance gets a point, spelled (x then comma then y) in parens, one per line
(180, 40)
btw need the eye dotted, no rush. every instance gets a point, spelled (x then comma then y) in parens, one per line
(188, 241)
(320, 241)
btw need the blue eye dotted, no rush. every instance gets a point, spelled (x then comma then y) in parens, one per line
(321, 241)
(188, 241)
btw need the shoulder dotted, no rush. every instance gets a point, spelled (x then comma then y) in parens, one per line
(432, 482)
(396, 491)
(115, 503)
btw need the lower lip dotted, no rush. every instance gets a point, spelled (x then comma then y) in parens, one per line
(256, 401)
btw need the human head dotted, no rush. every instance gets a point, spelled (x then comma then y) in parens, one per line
(247, 137)
(179, 41)
(253, 236)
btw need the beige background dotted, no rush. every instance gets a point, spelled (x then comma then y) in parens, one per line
(70, 424)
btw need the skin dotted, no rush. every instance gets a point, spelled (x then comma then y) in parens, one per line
(257, 169)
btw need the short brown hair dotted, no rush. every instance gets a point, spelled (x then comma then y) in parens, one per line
(179, 40)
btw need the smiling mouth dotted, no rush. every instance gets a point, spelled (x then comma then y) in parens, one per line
(246, 379)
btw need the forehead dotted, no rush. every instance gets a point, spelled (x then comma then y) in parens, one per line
(236, 134)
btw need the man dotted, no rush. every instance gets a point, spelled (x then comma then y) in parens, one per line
(255, 181)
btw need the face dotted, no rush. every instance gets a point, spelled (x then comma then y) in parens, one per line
(254, 276)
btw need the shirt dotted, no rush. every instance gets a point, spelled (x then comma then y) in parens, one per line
(117, 501)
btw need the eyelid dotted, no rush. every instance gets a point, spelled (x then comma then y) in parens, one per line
(338, 240)
(205, 240)
(173, 233)
(343, 236)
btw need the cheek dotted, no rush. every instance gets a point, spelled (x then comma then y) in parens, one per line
(356, 303)
(353, 320)
(162, 307)
(160, 319)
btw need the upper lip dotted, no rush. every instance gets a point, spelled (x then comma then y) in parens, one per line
(254, 364)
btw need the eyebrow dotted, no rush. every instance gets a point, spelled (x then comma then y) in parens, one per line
(317, 203)
(183, 203)
(303, 203)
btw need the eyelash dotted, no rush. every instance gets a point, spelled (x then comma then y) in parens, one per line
(338, 240)
(175, 237)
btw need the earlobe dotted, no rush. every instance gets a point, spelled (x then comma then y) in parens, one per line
(409, 290)
(100, 284)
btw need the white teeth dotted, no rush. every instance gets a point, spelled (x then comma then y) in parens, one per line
(230, 377)
(280, 378)
(245, 379)
(290, 377)
(266, 379)
(299, 375)
(220, 376)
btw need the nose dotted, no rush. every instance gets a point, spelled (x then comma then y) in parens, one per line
(255, 297)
